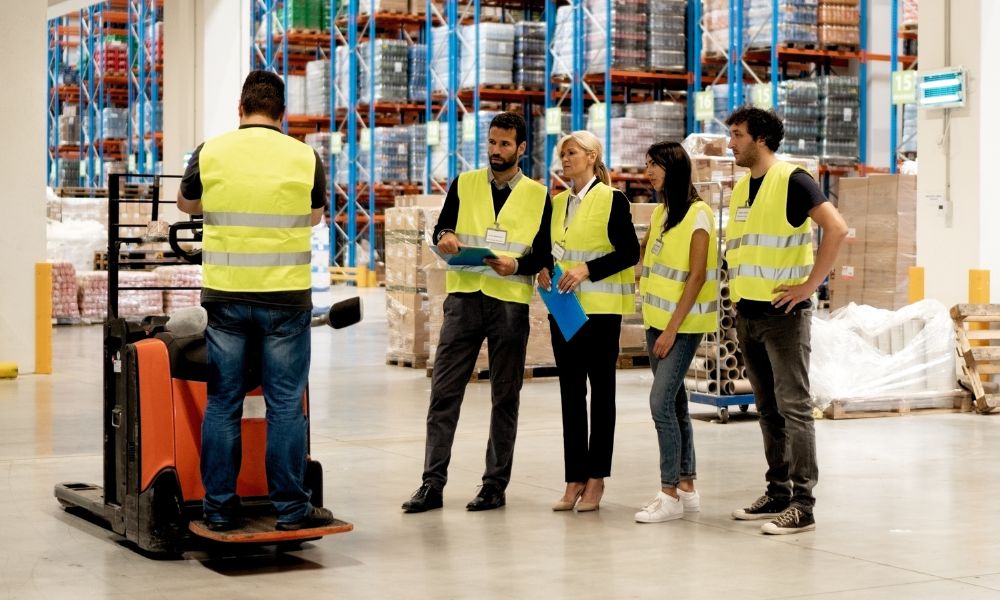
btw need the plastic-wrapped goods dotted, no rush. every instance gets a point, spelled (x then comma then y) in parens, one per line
(295, 90)
(93, 295)
(839, 35)
(417, 72)
(529, 54)
(495, 53)
(866, 355)
(667, 36)
(113, 166)
(667, 118)
(720, 93)
(68, 173)
(796, 24)
(829, 13)
(319, 266)
(418, 151)
(306, 14)
(343, 56)
(139, 302)
(630, 138)
(909, 16)
(392, 155)
(797, 106)
(69, 130)
(840, 105)
(64, 291)
(391, 80)
(152, 112)
(114, 123)
(625, 31)
(439, 153)
(467, 138)
(111, 58)
(74, 242)
(318, 87)
(179, 276)
(908, 143)
(320, 142)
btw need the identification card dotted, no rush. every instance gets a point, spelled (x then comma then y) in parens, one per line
(558, 251)
(657, 246)
(496, 236)
(742, 214)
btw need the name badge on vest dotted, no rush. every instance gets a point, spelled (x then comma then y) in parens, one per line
(657, 246)
(742, 214)
(558, 251)
(496, 236)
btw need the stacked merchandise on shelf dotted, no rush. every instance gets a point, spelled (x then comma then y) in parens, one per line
(114, 123)
(68, 172)
(343, 56)
(308, 14)
(798, 106)
(666, 117)
(120, 166)
(111, 58)
(407, 256)
(69, 127)
(93, 295)
(418, 152)
(840, 106)
(720, 95)
(538, 151)
(179, 276)
(320, 142)
(909, 141)
(666, 34)
(495, 54)
(796, 24)
(838, 23)
(318, 86)
(630, 137)
(439, 153)
(529, 55)
(152, 111)
(295, 91)
(417, 71)
(715, 28)
(319, 265)
(390, 69)
(392, 155)
(627, 35)
(713, 171)
(909, 16)
(873, 265)
(64, 291)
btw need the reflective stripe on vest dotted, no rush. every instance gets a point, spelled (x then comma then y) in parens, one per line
(257, 206)
(765, 251)
(665, 275)
(586, 239)
(520, 219)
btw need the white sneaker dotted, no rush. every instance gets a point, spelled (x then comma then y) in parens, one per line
(690, 500)
(659, 509)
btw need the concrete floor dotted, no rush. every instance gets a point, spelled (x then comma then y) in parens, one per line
(907, 506)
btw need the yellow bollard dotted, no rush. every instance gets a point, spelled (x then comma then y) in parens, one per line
(361, 276)
(43, 318)
(372, 279)
(916, 284)
(8, 370)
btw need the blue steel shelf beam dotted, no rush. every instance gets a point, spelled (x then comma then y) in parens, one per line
(269, 19)
(55, 59)
(143, 84)
(91, 101)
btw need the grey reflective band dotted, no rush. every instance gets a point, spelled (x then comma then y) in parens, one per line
(770, 241)
(607, 288)
(227, 219)
(677, 274)
(262, 259)
(479, 240)
(703, 308)
(770, 273)
(582, 255)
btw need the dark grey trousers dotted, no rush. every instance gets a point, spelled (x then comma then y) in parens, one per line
(777, 351)
(468, 320)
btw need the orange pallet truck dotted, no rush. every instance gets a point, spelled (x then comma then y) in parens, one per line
(155, 394)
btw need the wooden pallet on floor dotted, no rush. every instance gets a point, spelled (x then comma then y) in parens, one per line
(976, 356)
(919, 403)
(633, 360)
(403, 359)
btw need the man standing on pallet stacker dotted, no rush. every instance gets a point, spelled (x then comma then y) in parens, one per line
(499, 208)
(772, 277)
(260, 191)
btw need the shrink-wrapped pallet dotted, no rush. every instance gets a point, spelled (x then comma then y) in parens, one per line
(64, 291)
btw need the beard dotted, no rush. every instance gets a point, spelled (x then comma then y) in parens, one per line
(747, 158)
(499, 163)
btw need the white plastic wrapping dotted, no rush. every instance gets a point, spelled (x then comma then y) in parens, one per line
(64, 291)
(863, 353)
(75, 242)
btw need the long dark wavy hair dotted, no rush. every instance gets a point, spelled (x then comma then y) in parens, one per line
(678, 192)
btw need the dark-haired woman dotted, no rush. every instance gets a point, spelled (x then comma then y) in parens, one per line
(679, 289)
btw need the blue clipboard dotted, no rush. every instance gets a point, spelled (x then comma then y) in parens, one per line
(564, 308)
(469, 256)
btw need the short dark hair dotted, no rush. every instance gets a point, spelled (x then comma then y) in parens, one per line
(509, 120)
(761, 124)
(263, 94)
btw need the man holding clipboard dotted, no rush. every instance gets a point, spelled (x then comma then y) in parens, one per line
(501, 210)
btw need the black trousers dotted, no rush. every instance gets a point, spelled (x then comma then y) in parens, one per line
(591, 355)
(468, 320)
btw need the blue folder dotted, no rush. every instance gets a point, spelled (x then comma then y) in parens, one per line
(469, 256)
(565, 308)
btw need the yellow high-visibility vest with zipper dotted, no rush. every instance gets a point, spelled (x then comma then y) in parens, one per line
(762, 248)
(585, 239)
(665, 273)
(257, 206)
(519, 221)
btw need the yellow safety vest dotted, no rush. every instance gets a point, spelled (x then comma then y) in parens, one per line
(763, 250)
(587, 239)
(665, 273)
(519, 221)
(257, 207)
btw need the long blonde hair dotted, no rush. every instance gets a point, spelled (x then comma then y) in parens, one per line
(588, 142)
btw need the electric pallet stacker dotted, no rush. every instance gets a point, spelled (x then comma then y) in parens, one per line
(154, 402)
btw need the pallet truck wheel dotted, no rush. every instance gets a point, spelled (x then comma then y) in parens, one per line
(723, 414)
(744, 408)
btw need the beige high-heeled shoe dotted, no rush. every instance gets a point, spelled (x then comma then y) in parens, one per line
(582, 506)
(563, 505)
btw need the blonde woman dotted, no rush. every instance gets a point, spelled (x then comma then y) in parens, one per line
(595, 246)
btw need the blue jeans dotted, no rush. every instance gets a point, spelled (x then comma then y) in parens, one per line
(283, 340)
(668, 404)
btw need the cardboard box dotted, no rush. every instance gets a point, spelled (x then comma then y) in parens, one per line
(852, 202)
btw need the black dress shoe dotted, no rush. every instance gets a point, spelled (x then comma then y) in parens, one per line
(222, 524)
(317, 517)
(489, 497)
(427, 497)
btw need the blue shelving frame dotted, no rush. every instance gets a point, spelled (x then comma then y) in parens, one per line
(143, 84)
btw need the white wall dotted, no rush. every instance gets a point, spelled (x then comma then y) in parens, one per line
(223, 48)
(989, 153)
(22, 196)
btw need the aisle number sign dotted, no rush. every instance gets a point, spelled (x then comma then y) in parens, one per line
(760, 96)
(433, 133)
(553, 120)
(704, 105)
(469, 128)
(597, 115)
(366, 138)
(336, 144)
(904, 87)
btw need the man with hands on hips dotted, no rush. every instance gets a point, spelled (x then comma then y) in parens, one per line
(499, 208)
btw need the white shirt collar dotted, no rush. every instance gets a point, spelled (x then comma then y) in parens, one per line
(584, 189)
